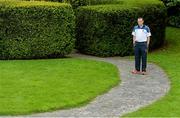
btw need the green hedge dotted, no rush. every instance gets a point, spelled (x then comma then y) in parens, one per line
(76, 3)
(173, 8)
(105, 30)
(35, 29)
(175, 20)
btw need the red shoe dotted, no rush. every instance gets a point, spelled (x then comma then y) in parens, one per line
(136, 72)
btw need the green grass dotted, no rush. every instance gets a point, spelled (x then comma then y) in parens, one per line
(169, 59)
(28, 86)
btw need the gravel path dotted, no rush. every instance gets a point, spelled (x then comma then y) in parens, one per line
(133, 92)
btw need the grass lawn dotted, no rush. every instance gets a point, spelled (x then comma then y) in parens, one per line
(169, 59)
(28, 86)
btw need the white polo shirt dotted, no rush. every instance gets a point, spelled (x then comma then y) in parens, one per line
(141, 33)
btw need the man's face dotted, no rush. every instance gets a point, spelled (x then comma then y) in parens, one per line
(140, 21)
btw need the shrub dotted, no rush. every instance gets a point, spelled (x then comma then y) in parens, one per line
(170, 3)
(173, 7)
(174, 20)
(105, 30)
(99, 2)
(76, 3)
(35, 29)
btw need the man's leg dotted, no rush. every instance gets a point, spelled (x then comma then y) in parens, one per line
(144, 56)
(137, 57)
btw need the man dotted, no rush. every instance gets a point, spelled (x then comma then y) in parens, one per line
(141, 39)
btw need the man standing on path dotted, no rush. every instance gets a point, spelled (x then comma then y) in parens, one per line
(141, 39)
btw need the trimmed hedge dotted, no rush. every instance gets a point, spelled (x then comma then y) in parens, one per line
(175, 20)
(173, 8)
(105, 30)
(35, 29)
(77, 3)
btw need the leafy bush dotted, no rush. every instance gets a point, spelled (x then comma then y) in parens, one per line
(170, 3)
(99, 2)
(175, 20)
(76, 3)
(45, 0)
(105, 30)
(35, 29)
(173, 12)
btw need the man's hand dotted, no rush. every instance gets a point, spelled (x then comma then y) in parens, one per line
(148, 45)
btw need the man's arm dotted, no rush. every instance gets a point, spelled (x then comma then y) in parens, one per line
(148, 36)
(148, 41)
(134, 38)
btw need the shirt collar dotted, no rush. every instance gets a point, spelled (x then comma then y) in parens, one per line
(140, 26)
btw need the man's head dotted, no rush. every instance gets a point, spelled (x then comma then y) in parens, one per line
(140, 21)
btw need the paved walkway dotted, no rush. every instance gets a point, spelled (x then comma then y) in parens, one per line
(133, 92)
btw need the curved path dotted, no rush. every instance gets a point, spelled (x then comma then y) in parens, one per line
(133, 92)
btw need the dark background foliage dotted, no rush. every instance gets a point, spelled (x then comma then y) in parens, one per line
(173, 12)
